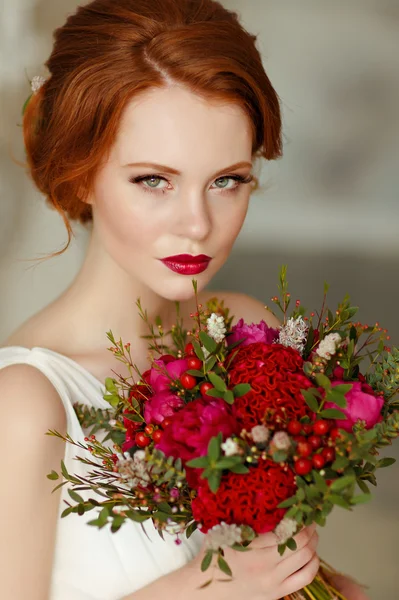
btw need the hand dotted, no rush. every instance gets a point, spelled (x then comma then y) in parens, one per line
(348, 587)
(263, 573)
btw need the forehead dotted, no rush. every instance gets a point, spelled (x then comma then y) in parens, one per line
(176, 127)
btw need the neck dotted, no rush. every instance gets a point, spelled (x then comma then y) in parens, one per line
(103, 297)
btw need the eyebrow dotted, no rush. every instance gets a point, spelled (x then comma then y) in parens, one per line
(171, 171)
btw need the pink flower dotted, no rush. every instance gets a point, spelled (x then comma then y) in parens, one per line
(362, 405)
(161, 405)
(190, 429)
(253, 333)
(165, 370)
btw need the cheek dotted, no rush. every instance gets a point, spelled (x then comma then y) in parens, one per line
(126, 222)
(230, 221)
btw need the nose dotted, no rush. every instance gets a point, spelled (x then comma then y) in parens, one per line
(193, 218)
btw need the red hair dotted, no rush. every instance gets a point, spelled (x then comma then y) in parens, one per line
(110, 51)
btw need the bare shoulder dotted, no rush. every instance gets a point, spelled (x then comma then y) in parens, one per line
(26, 391)
(243, 306)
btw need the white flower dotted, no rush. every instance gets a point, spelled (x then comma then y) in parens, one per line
(134, 470)
(223, 535)
(328, 346)
(281, 440)
(294, 334)
(260, 434)
(37, 82)
(285, 530)
(216, 327)
(230, 447)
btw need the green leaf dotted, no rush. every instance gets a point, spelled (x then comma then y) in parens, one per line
(223, 566)
(207, 342)
(195, 373)
(110, 385)
(339, 501)
(214, 393)
(332, 413)
(75, 496)
(337, 398)
(228, 462)
(198, 350)
(323, 381)
(228, 397)
(342, 483)
(291, 544)
(214, 481)
(241, 389)
(206, 561)
(240, 470)
(362, 499)
(198, 463)
(310, 400)
(214, 448)
(320, 481)
(287, 503)
(343, 388)
(210, 363)
(340, 463)
(217, 381)
(64, 470)
(117, 523)
(363, 486)
(53, 476)
(385, 462)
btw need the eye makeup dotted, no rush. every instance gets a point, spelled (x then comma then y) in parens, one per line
(239, 179)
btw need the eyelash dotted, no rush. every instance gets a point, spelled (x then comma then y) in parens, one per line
(238, 178)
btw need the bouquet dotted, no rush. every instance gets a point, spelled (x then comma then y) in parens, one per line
(241, 430)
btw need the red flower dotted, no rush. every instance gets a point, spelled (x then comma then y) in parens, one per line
(250, 499)
(275, 373)
(141, 393)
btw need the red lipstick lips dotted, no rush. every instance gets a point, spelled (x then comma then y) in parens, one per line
(186, 264)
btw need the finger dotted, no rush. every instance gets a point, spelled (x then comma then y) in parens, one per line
(303, 537)
(264, 540)
(301, 578)
(299, 558)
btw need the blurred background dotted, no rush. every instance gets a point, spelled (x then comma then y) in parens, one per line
(328, 209)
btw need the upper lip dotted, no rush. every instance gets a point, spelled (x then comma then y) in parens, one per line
(187, 258)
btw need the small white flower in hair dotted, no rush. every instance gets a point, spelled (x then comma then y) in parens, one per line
(37, 83)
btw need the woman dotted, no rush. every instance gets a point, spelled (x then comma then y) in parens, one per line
(147, 130)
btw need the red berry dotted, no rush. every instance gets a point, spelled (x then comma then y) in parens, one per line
(149, 429)
(307, 428)
(300, 438)
(335, 433)
(318, 461)
(166, 422)
(303, 466)
(189, 349)
(294, 427)
(157, 435)
(321, 427)
(142, 440)
(204, 388)
(314, 441)
(329, 454)
(194, 363)
(304, 449)
(188, 381)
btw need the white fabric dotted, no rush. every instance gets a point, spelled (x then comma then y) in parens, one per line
(92, 563)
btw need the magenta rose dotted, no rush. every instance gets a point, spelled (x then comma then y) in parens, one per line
(161, 405)
(189, 431)
(255, 332)
(165, 370)
(362, 405)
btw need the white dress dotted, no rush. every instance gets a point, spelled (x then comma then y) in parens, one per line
(92, 563)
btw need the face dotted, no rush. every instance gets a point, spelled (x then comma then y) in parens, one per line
(177, 182)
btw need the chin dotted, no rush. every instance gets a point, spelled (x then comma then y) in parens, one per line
(181, 289)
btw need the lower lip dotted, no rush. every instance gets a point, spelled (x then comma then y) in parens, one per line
(186, 268)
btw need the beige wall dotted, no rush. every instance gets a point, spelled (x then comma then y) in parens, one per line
(329, 208)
